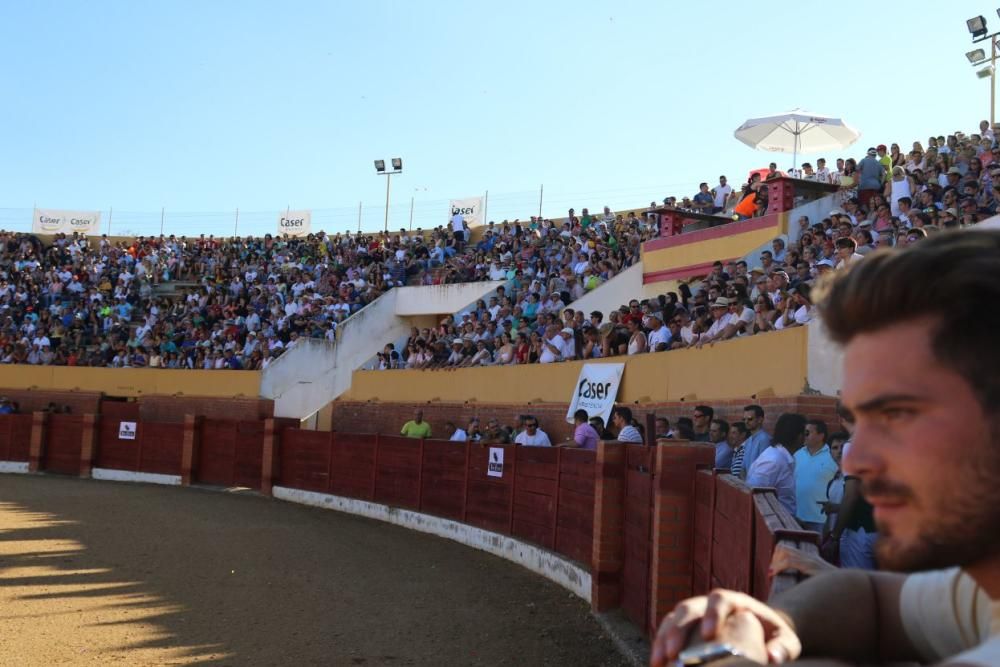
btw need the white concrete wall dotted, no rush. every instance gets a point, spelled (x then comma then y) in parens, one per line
(625, 286)
(440, 299)
(825, 361)
(815, 210)
(304, 379)
(315, 372)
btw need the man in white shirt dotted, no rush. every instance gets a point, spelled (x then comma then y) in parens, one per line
(456, 434)
(458, 229)
(721, 319)
(775, 467)
(551, 345)
(622, 420)
(532, 436)
(568, 337)
(659, 335)
(721, 194)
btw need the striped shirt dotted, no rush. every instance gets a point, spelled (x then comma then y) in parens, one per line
(629, 433)
(737, 469)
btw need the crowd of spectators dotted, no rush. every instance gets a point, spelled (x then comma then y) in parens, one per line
(888, 200)
(93, 302)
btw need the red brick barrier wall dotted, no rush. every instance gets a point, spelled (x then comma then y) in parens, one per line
(36, 400)
(15, 437)
(545, 495)
(63, 444)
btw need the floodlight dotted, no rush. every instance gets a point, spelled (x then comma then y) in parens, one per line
(976, 56)
(397, 164)
(985, 72)
(380, 166)
(977, 26)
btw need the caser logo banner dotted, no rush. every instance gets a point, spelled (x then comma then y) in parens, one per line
(470, 208)
(596, 390)
(295, 223)
(52, 221)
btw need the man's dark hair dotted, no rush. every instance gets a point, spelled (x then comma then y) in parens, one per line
(756, 410)
(788, 429)
(918, 231)
(742, 428)
(581, 415)
(847, 242)
(723, 426)
(598, 314)
(820, 426)
(625, 413)
(843, 436)
(947, 277)
(905, 200)
(685, 428)
(709, 412)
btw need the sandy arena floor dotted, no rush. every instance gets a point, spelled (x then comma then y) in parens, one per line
(98, 573)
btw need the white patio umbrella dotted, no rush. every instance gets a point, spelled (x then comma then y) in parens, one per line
(796, 132)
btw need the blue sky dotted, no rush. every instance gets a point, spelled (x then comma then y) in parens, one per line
(205, 107)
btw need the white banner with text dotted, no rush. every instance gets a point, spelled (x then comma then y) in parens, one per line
(596, 390)
(295, 223)
(471, 209)
(52, 221)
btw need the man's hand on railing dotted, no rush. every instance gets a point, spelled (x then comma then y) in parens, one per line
(722, 617)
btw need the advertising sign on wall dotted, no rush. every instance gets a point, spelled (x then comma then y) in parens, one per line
(596, 390)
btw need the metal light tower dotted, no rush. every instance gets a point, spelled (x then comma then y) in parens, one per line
(397, 168)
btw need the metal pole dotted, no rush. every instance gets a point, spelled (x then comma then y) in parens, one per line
(541, 195)
(993, 80)
(388, 180)
(359, 217)
(162, 210)
(111, 211)
(411, 213)
(236, 225)
(486, 207)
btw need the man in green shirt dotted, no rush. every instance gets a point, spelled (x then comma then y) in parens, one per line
(416, 427)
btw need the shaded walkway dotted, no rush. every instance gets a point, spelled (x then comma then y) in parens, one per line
(103, 573)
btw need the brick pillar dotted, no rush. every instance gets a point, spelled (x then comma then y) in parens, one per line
(189, 452)
(269, 457)
(671, 566)
(88, 445)
(608, 557)
(36, 451)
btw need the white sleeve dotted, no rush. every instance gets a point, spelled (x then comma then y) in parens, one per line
(545, 439)
(519, 440)
(944, 612)
(763, 473)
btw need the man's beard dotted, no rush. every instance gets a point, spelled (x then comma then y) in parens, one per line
(966, 528)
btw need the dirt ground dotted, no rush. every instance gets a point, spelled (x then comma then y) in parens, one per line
(99, 573)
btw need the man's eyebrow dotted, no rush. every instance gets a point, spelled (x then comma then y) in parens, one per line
(879, 402)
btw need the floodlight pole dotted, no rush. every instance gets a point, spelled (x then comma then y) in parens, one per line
(388, 180)
(993, 77)
(993, 72)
